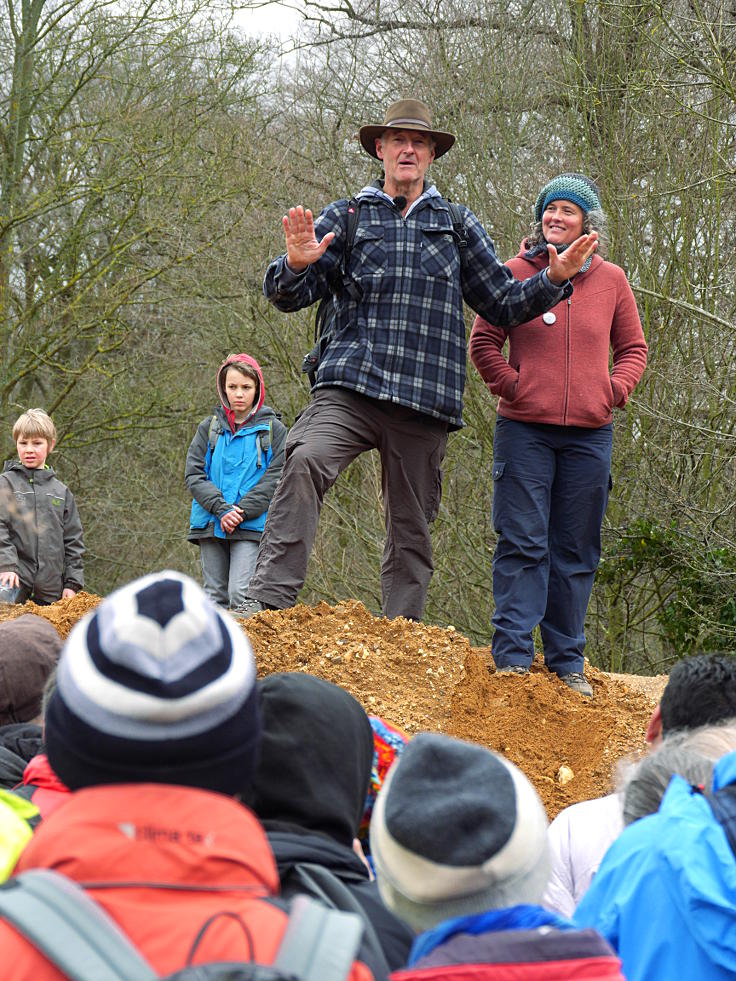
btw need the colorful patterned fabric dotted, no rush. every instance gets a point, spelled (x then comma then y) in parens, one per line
(388, 743)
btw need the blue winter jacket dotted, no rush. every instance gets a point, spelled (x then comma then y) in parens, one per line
(240, 470)
(665, 894)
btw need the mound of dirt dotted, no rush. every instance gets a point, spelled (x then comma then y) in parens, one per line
(424, 677)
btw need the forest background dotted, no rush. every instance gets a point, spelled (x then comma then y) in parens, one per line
(148, 149)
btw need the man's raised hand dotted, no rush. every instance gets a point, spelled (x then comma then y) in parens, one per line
(302, 247)
(563, 267)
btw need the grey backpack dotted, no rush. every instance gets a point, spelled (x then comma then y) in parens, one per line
(76, 934)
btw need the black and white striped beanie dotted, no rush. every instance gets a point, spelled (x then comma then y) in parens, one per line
(156, 685)
(456, 830)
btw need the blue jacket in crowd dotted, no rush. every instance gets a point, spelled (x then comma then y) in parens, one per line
(665, 894)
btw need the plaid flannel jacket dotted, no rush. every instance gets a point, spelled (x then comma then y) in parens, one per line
(403, 340)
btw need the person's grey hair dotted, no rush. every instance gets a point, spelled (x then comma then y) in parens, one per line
(648, 781)
(593, 221)
(713, 741)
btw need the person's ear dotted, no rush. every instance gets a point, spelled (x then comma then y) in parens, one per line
(379, 148)
(654, 729)
(51, 444)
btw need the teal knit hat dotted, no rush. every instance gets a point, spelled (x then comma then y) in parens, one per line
(569, 187)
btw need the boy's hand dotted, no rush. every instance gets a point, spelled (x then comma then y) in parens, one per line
(68, 593)
(9, 579)
(230, 521)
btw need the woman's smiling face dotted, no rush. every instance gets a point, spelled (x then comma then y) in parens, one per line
(562, 222)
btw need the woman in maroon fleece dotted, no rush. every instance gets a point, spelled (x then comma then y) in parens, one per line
(552, 445)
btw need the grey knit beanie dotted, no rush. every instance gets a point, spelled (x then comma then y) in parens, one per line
(456, 830)
(569, 187)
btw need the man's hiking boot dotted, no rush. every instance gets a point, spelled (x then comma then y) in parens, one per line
(576, 681)
(513, 669)
(249, 607)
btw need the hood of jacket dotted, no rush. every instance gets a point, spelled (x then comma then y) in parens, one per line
(316, 757)
(18, 744)
(45, 472)
(159, 833)
(299, 846)
(220, 385)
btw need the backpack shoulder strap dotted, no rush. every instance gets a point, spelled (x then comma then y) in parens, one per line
(265, 437)
(458, 228)
(723, 805)
(69, 928)
(323, 884)
(352, 225)
(214, 432)
(319, 944)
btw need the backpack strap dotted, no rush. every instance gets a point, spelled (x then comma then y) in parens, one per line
(723, 805)
(339, 282)
(460, 233)
(69, 928)
(265, 437)
(319, 944)
(214, 432)
(323, 884)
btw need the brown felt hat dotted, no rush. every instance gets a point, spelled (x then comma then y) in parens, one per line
(406, 114)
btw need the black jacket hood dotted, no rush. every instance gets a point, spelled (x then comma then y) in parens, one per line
(316, 757)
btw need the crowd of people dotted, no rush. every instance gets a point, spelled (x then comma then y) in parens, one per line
(194, 806)
(159, 796)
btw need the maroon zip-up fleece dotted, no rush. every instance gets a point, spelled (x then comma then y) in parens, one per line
(559, 373)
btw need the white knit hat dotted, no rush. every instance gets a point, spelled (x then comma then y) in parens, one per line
(456, 830)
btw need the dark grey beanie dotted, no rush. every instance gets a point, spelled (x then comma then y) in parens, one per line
(457, 829)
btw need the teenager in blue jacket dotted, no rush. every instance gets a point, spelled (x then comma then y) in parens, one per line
(233, 465)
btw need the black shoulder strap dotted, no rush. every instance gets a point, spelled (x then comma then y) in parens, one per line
(723, 805)
(458, 228)
(339, 282)
(352, 225)
(214, 432)
(321, 883)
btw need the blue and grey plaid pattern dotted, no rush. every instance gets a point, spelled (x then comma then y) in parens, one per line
(404, 340)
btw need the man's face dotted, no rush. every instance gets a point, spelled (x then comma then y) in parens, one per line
(32, 451)
(406, 155)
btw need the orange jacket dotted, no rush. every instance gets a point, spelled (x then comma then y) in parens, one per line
(557, 373)
(162, 860)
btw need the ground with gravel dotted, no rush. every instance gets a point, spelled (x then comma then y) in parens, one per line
(430, 678)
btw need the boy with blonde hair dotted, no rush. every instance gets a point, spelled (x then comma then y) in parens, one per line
(41, 544)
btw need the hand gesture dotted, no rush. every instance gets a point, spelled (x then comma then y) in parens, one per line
(230, 521)
(68, 593)
(9, 579)
(565, 266)
(302, 247)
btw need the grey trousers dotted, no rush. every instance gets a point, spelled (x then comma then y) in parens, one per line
(333, 430)
(227, 565)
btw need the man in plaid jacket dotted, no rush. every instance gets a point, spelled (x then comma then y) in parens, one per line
(392, 372)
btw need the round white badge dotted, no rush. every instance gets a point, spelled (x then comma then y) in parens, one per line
(549, 318)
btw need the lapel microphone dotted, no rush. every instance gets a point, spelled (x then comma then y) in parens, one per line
(400, 202)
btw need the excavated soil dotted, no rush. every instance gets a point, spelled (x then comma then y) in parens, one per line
(424, 677)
